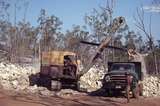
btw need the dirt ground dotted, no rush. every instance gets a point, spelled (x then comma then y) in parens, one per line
(8, 99)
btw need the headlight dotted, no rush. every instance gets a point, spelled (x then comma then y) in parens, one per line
(107, 78)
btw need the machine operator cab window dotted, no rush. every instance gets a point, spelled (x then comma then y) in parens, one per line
(68, 60)
(70, 67)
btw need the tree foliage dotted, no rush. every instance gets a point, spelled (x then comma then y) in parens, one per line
(49, 27)
(20, 40)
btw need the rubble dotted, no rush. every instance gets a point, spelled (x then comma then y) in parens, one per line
(16, 78)
(67, 92)
(39, 90)
(13, 77)
(91, 80)
(151, 86)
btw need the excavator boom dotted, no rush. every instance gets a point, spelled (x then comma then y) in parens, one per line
(117, 23)
(109, 47)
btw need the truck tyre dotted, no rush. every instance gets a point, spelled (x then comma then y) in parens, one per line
(56, 85)
(78, 86)
(44, 81)
(135, 91)
(33, 79)
(109, 92)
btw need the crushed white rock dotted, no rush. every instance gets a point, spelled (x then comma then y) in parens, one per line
(91, 81)
(15, 77)
(151, 86)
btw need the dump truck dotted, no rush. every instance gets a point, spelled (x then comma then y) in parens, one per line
(124, 76)
(58, 69)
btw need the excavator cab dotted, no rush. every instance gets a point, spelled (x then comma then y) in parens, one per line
(59, 69)
(70, 66)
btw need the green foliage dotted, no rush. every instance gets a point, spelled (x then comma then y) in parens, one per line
(151, 64)
(24, 40)
(49, 30)
(99, 22)
(4, 5)
(73, 37)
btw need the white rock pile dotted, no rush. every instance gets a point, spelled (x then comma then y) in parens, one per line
(91, 81)
(151, 86)
(15, 77)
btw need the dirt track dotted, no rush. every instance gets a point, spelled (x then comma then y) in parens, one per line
(76, 100)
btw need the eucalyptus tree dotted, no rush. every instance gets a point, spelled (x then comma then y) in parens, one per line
(49, 29)
(72, 42)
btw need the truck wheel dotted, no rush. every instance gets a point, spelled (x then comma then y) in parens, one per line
(33, 79)
(44, 81)
(109, 92)
(78, 86)
(56, 85)
(135, 91)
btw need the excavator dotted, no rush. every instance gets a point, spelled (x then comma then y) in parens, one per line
(55, 71)
(59, 69)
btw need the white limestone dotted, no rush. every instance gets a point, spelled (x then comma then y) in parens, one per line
(92, 79)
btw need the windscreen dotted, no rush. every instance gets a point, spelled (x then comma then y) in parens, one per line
(70, 58)
(122, 67)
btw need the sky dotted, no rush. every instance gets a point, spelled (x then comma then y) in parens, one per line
(72, 12)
